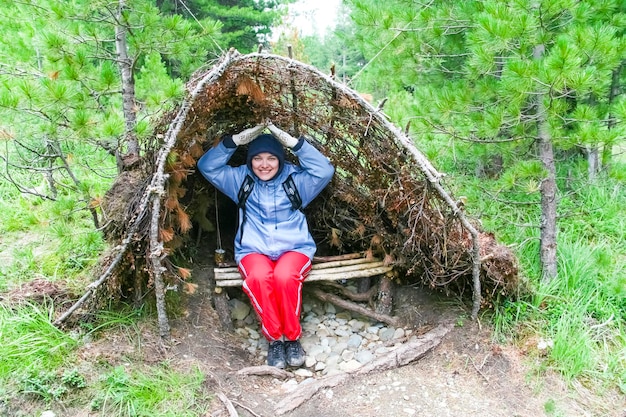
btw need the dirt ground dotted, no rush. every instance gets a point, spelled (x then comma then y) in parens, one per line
(468, 374)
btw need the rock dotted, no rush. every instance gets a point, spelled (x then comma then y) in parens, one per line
(344, 315)
(356, 325)
(303, 372)
(289, 385)
(315, 350)
(398, 333)
(364, 357)
(347, 355)
(350, 365)
(354, 342)
(238, 309)
(387, 334)
(340, 347)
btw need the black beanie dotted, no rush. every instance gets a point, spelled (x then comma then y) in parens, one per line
(266, 143)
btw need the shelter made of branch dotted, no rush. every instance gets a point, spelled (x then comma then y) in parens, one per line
(386, 199)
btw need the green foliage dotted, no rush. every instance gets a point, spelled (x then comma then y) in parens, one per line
(156, 391)
(29, 343)
(245, 23)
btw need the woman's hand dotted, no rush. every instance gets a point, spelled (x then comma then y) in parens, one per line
(248, 135)
(283, 137)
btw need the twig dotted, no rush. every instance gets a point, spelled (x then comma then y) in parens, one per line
(248, 409)
(232, 412)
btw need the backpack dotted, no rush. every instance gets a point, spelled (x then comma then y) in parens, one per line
(246, 188)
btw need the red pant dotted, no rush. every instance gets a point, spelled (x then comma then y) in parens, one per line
(275, 291)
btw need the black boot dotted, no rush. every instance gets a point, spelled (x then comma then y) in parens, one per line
(295, 353)
(276, 354)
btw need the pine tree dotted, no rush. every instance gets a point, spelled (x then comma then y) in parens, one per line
(543, 76)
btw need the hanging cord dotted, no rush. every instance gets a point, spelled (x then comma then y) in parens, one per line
(217, 224)
(220, 254)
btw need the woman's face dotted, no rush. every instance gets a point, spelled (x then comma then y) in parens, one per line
(265, 165)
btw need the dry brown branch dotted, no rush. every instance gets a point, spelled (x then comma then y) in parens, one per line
(348, 305)
(232, 412)
(346, 292)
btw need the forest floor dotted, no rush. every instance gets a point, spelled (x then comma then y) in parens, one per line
(467, 374)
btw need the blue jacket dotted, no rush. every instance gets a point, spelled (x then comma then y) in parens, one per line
(272, 226)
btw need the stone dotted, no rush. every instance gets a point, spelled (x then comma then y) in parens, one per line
(347, 355)
(342, 332)
(364, 357)
(303, 372)
(340, 347)
(315, 350)
(387, 334)
(356, 325)
(238, 309)
(344, 315)
(355, 341)
(398, 333)
(350, 365)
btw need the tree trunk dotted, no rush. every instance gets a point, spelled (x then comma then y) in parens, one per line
(548, 189)
(593, 162)
(607, 151)
(128, 86)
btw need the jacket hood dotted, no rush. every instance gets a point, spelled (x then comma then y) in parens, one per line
(266, 143)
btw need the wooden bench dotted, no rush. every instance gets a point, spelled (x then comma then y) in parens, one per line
(333, 268)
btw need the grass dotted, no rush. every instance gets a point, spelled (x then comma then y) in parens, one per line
(40, 365)
(582, 312)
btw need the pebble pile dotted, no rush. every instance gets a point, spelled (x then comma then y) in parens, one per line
(334, 340)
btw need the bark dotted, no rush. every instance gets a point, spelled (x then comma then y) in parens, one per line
(593, 162)
(548, 189)
(384, 302)
(156, 256)
(129, 104)
(223, 310)
(607, 152)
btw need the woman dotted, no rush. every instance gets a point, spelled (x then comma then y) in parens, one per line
(273, 245)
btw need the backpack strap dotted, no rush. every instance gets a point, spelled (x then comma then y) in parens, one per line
(246, 189)
(292, 193)
(242, 196)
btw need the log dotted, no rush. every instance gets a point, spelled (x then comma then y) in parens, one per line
(223, 310)
(230, 277)
(318, 259)
(358, 297)
(348, 305)
(317, 270)
(403, 355)
(384, 301)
